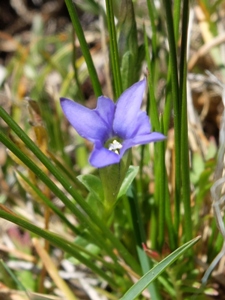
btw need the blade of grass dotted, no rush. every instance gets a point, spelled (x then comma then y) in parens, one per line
(56, 241)
(66, 221)
(151, 275)
(168, 101)
(162, 192)
(84, 47)
(19, 284)
(70, 174)
(176, 106)
(185, 174)
(152, 111)
(139, 233)
(114, 54)
(60, 194)
(75, 68)
(152, 17)
(96, 221)
(163, 184)
(50, 204)
(176, 13)
(173, 235)
(52, 125)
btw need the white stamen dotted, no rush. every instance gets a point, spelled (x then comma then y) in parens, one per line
(115, 146)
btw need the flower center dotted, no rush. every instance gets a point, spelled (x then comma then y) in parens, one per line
(115, 146)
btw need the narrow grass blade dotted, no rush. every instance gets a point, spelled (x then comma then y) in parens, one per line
(56, 241)
(185, 174)
(60, 194)
(84, 47)
(49, 203)
(94, 219)
(176, 106)
(162, 192)
(114, 54)
(176, 12)
(153, 111)
(152, 17)
(19, 284)
(148, 278)
(140, 237)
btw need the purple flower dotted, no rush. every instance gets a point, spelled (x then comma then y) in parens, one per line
(112, 127)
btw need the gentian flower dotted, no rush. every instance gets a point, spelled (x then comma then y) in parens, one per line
(112, 127)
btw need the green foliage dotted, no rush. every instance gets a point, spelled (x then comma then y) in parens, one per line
(156, 271)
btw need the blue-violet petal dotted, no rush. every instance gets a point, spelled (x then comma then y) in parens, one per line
(106, 109)
(101, 157)
(127, 109)
(86, 121)
(141, 140)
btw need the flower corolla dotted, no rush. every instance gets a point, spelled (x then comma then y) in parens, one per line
(113, 128)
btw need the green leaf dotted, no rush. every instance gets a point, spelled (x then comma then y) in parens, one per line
(28, 281)
(96, 196)
(139, 60)
(145, 280)
(93, 184)
(130, 175)
(197, 167)
(127, 69)
(91, 248)
(128, 30)
(212, 149)
(130, 66)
